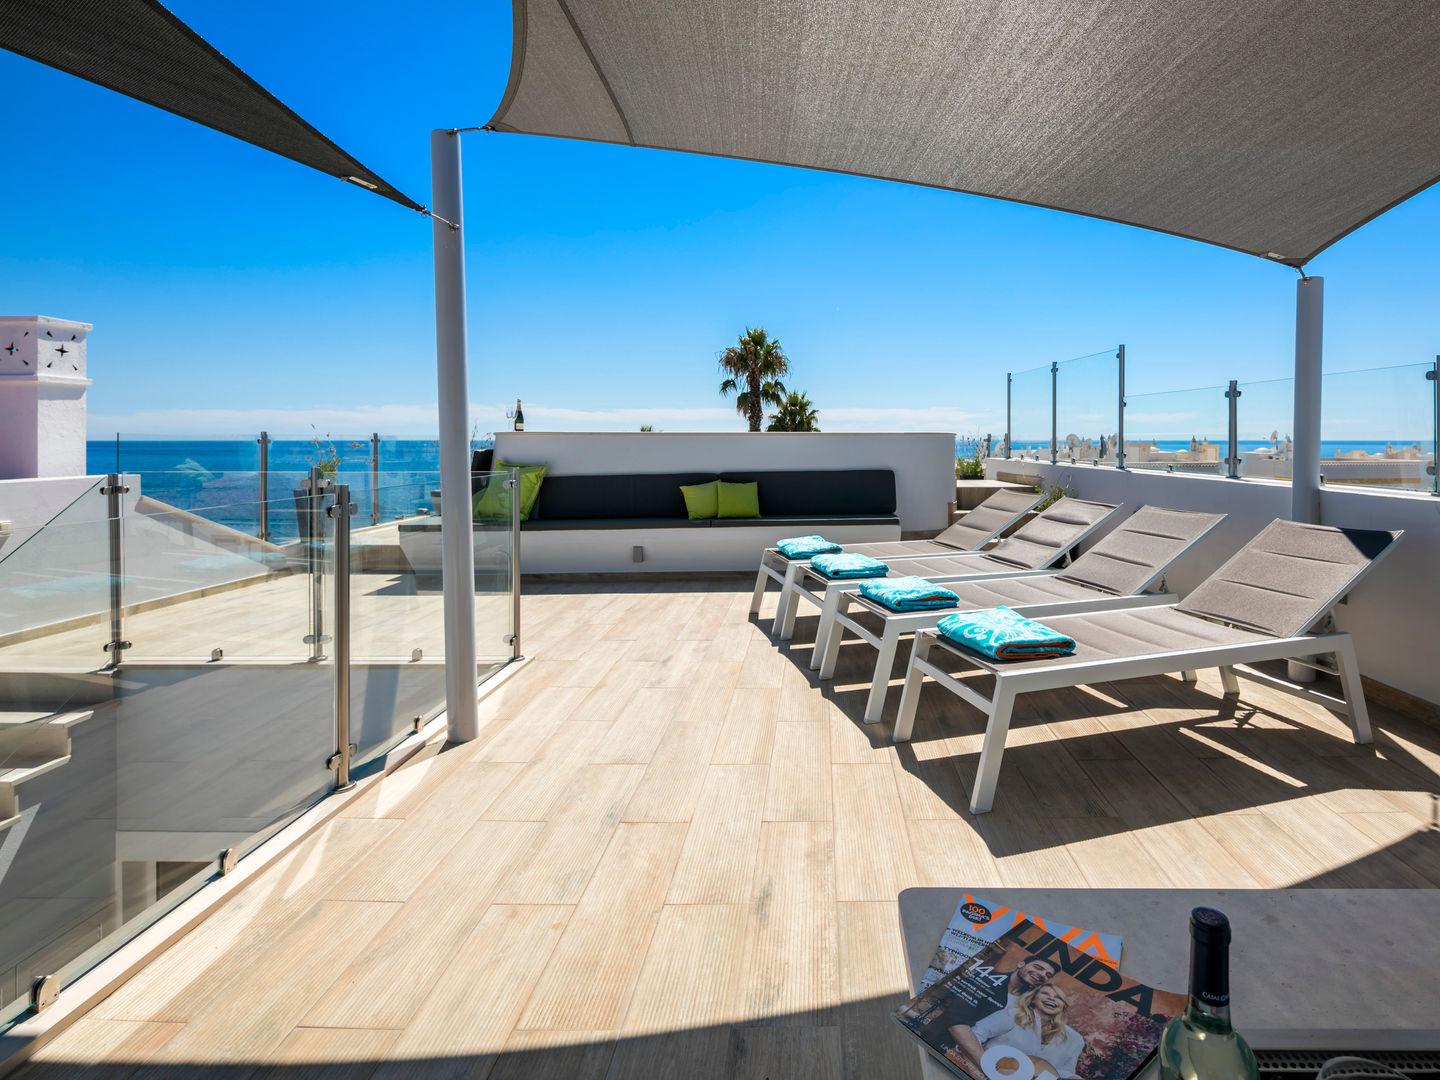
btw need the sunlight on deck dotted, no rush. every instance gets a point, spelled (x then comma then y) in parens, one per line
(672, 852)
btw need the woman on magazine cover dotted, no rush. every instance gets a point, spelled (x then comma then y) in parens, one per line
(1034, 1025)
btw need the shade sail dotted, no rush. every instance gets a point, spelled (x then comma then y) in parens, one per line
(140, 49)
(1273, 127)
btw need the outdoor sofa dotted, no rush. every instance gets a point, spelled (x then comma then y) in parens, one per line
(614, 522)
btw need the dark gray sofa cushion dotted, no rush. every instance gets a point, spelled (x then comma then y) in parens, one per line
(605, 496)
(553, 525)
(821, 492)
(806, 522)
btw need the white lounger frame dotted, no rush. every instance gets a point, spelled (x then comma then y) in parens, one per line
(784, 623)
(829, 604)
(1001, 702)
(887, 642)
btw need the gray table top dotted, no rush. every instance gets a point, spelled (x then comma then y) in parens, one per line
(1341, 969)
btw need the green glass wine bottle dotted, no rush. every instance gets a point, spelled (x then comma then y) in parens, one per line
(519, 416)
(1200, 1044)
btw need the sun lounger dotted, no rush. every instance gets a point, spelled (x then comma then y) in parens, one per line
(971, 533)
(1258, 606)
(1034, 549)
(1113, 574)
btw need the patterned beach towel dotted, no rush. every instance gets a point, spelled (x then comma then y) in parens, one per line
(804, 547)
(909, 594)
(849, 566)
(1003, 634)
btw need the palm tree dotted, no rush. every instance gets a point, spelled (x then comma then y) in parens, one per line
(754, 367)
(796, 413)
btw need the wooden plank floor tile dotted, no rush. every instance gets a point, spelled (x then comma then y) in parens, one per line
(541, 1054)
(796, 1053)
(472, 1007)
(260, 1006)
(589, 979)
(872, 849)
(952, 854)
(799, 782)
(672, 781)
(791, 960)
(206, 962)
(692, 971)
(873, 983)
(749, 728)
(326, 1053)
(638, 729)
(385, 985)
(557, 866)
(718, 859)
(98, 1050)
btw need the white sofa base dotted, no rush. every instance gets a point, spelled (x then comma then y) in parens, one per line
(610, 551)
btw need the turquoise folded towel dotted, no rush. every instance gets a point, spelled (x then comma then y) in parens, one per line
(804, 547)
(1003, 634)
(909, 594)
(849, 566)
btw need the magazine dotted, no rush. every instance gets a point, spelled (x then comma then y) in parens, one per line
(977, 922)
(1031, 1007)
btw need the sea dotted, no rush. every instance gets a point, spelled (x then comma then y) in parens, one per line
(220, 479)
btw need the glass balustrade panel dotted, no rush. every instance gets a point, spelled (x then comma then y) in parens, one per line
(1030, 414)
(1183, 431)
(1087, 407)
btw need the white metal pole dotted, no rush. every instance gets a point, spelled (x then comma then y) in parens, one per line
(457, 543)
(1305, 457)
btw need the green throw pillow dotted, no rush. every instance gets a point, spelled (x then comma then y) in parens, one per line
(493, 504)
(529, 492)
(702, 500)
(739, 500)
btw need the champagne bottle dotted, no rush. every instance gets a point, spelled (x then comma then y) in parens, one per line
(1200, 1044)
(519, 416)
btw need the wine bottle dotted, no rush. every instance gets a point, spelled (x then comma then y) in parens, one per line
(519, 416)
(1200, 1044)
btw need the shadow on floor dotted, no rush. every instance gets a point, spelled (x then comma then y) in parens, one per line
(856, 1041)
(1118, 757)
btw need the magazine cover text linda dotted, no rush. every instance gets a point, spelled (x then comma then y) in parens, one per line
(1031, 1007)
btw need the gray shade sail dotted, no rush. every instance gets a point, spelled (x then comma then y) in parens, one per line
(1273, 127)
(138, 48)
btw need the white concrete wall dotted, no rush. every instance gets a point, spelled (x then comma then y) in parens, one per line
(1393, 614)
(923, 462)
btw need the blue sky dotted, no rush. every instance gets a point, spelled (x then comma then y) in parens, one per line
(231, 289)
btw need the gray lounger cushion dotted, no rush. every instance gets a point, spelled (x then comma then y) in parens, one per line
(991, 516)
(1281, 582)
(1139, 550)
(1047, 538)
(1121, 635)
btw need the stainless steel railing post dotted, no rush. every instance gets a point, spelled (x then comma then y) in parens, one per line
(1054, 412)
(315, 486)
(264, 442)
(1232, 451)
(341, 512)
(1009, 378)
(374, 478)
(1120, 414)
(515, 563)
(114, 491)
(1434, 376)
